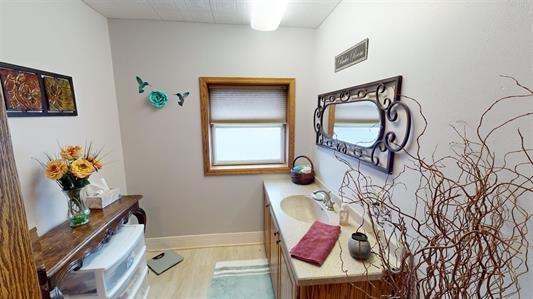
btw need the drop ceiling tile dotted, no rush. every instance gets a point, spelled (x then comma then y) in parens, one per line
(123, 9)
(225, 4)
(231, 11)
(166, 9)
(195, 10)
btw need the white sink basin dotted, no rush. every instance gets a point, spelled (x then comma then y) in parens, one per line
(303, 208)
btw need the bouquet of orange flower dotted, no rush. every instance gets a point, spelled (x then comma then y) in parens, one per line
(74, 167)
(71, 170)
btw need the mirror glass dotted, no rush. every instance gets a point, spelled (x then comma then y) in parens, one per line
(357, 123)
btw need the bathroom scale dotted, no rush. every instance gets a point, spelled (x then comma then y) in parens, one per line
(164, 261)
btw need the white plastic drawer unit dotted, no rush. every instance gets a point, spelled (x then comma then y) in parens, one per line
(138, 285)
(117, 270)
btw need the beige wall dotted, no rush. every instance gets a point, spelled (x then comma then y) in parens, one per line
(163, 149)
(451, 55)
(65, 37)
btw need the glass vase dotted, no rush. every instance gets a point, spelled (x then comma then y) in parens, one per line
(78, 213)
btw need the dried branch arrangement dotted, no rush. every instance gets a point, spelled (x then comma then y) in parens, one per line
(467, 234)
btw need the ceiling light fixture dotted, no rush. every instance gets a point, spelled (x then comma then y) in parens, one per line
(267, 14)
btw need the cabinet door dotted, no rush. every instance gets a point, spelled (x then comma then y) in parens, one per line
(274, 258)
(286, 287)
(266, 226)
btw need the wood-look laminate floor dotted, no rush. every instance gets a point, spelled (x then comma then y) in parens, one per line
(190, 279)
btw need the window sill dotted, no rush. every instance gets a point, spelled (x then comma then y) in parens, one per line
(246, 169)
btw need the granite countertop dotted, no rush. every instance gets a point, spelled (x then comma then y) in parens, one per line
(292, 231)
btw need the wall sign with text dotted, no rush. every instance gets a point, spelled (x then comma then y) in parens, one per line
(352, 56)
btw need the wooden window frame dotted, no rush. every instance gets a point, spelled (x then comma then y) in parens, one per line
(209, 168)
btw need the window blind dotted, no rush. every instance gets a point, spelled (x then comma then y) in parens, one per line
(265, 104)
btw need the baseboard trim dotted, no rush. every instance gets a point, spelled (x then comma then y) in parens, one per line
(202, 241)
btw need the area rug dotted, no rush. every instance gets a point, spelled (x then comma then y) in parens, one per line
(241, 279)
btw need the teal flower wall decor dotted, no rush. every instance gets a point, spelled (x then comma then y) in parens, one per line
(159, 98)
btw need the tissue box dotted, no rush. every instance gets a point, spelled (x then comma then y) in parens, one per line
(102, 200)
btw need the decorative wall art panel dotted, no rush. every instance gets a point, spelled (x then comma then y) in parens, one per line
(59, 94)
(31, 92)
(22, 92)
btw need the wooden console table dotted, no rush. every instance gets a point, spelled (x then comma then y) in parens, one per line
(63, 248)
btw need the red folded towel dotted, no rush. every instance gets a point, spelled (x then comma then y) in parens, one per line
(316, 244)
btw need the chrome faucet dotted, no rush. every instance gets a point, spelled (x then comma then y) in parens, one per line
(328, 203)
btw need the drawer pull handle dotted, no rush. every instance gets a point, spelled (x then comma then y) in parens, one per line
(267, 205)
(277, 242)
(276, 233)
(130, 260)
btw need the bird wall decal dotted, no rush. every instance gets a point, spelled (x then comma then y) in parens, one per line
(158, 98)
(142, 84)
(181, 97)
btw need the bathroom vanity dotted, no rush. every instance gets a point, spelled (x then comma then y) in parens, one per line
(289, 211)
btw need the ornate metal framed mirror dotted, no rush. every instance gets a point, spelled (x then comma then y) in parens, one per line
(367, 122)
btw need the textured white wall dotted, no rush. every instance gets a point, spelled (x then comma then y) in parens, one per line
(65, 37)
(450, 54)
(163, 149)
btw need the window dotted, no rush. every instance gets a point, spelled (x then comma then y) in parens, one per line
(247, 125)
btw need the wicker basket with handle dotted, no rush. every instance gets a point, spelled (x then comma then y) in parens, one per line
(303, 178)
